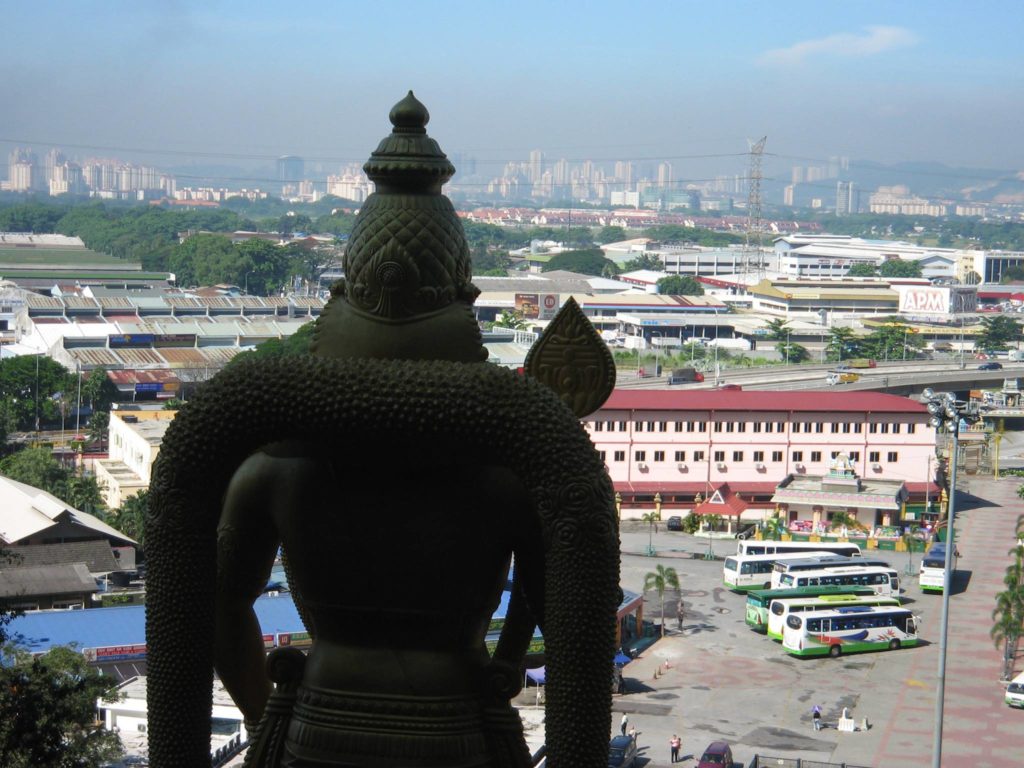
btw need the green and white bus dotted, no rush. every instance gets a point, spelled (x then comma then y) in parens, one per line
(932, 575)
(758, 600)
(819, 563)
(743, 572)
(754, 547)
(882, 580)
(849, 630)
(780, 608)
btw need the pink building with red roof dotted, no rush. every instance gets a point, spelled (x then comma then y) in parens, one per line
(685, 445)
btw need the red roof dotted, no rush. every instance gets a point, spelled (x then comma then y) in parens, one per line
(696, 486)
(754, 400)
(730, 503)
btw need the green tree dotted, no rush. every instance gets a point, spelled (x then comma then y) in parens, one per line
(38, 468)
(294, 222)
(296, 344)
(48, 711)
(130, 517)
(661, 579)
(842, 344)
(1008, 615)
(774, 527)
(510, 318)
(893, 340)
(777, 329)
(28, 384)
(863, 269)
(98, 390)
(644, 261)
(610, 234)
(591, 261)
(900, 268)
(680, 285)
(651, 518)
(99, 425)
(997, 332)
(490, 261)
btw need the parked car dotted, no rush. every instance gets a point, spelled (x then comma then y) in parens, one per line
(1015, 692)
(622, 752)
(731, 387)
(716, 755)
(842, 367)
(991, 365)
(675, 523)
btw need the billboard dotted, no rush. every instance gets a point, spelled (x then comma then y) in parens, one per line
(114, 653)
(537, 306)
(923, 299)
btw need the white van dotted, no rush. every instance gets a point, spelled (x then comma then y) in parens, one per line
(1015, 692)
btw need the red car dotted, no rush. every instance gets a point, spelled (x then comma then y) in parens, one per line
(717, 755)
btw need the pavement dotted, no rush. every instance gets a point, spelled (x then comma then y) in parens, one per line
(715, 679)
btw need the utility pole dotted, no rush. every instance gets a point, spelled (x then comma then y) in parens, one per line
(753, 258)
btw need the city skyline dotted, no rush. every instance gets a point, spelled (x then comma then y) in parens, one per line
(242, 85)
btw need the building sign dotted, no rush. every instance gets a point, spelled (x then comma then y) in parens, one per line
(528, 305)
(923, 300)
(114, 653)
(548, 305)
(268, 642)
(149, 386)
(131, 340)
(294, 640)
(174, 340)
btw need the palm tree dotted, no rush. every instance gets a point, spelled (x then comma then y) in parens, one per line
(774, 527)
(651, 518)
(1008, 615)
(661, 579)
(909, 537)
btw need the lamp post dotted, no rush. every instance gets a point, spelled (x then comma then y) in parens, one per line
(250, 272)
(946, 411)
(657, 368)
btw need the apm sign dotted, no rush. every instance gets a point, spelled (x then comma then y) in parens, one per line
(921, 300)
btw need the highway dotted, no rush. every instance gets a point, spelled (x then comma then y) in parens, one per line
(902, 377)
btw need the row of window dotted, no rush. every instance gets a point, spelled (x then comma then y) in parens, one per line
(807, 427)
(874, 457)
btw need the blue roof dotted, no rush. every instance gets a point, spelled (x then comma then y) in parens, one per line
(125, 625)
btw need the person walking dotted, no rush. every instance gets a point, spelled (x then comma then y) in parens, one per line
(624, 723)
(679, 614)
(632, 733)
(816, 717)
(674, 744)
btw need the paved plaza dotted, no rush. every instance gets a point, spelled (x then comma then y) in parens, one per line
(719, 680)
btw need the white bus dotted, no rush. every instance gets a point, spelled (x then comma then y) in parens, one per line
(932, 575)
(747, 547)
(883, 580)
(742, 572)
(848, 630)
(780, 608)
(819, 563)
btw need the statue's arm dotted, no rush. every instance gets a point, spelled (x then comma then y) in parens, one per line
(246, 545)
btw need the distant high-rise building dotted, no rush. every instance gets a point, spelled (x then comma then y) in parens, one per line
(798, 175)
(665, 176)
(624, 173)
(67, 179)
(536, 168)
(23, 172)
(290, 168)
(846, 202)
(787, 195)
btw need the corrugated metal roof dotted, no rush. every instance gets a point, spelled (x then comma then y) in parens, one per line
(179, 356)
(38, 301)
(80, 302)
(219, 355)
(761, 401)
(137, 357)
(43, 580)
(95, 356)
(116, 302)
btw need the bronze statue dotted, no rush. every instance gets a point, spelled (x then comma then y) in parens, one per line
(399, 472)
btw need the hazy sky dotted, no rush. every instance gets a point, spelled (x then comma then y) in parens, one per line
(885, 81)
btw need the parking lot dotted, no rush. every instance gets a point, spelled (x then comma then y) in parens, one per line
(720, 680)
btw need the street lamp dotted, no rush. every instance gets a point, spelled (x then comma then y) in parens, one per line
(657, 369)
(948, 412)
